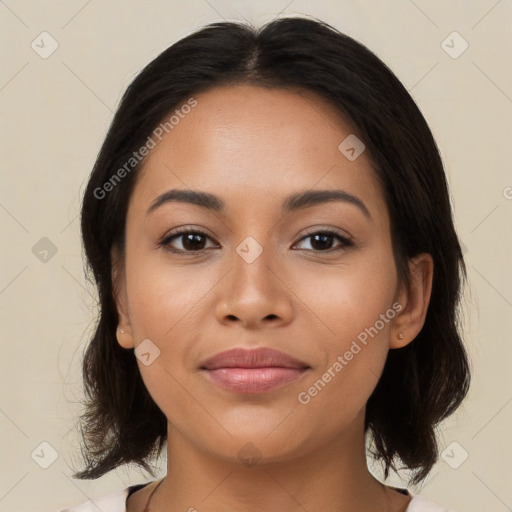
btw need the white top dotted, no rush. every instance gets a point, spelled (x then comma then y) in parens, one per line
(116, 502)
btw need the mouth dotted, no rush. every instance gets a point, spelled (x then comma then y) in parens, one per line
(253, 371)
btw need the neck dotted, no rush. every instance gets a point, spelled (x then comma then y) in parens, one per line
(331, 477)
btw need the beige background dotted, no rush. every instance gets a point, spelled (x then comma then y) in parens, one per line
(54, 116)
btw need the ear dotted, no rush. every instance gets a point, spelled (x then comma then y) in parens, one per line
(414, 299)
(124, 331)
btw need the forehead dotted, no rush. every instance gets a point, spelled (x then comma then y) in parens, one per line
(267, 142)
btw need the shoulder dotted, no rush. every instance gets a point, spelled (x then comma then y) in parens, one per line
(421, 504)
(115, 502)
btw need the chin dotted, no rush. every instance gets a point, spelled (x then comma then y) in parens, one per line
(260, 446)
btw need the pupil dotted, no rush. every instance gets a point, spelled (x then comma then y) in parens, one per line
(191, 237)
(321, 245)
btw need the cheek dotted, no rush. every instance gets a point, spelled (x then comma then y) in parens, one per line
(338, 390)
(161, 295)
(346, 300)
(163, 302)
(353, 315)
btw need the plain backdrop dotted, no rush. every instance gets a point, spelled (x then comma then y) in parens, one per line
(55, 110)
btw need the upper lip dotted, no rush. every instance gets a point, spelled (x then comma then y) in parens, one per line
(252, 358)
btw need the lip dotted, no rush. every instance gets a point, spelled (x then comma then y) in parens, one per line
(253, 371)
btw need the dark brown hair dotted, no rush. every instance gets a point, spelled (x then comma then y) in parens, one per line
(423, 382)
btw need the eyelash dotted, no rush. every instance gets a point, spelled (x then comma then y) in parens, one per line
(165, 242)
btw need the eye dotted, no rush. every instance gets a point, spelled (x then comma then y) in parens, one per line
(321, 241)
(191, 240)
(194, 240)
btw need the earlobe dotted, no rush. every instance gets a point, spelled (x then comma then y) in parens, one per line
(124, 329)
(415, 301)
(124, 338)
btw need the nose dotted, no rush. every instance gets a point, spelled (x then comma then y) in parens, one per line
(255, 295)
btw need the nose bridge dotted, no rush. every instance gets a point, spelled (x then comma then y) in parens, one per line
(253, 292)
(252, 276)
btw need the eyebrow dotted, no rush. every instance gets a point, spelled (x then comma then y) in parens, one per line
(292, 203)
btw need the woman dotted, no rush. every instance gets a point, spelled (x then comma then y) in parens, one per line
(269, 227)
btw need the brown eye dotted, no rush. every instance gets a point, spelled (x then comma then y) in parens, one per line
(190, 241)
(321, 241)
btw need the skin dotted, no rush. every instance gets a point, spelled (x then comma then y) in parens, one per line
(253, 147)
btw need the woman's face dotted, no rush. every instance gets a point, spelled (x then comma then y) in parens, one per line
(264, 274)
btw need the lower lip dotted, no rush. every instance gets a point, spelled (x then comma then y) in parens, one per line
(254, 380)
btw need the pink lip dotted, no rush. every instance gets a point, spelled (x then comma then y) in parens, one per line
(253, 371)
